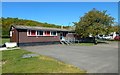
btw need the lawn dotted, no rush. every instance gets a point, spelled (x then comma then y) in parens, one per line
(14, 63)
(5, 40)
(84, 44)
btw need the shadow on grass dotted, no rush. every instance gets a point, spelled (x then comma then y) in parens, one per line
(92, 43)
(102, 42)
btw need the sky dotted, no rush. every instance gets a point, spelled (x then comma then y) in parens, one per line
(60, 0)
(59, 13)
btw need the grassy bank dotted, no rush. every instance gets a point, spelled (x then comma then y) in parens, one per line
(84, 44)
(14, 63)
(5, 40)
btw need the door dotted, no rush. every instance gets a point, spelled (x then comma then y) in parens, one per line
(61, 35)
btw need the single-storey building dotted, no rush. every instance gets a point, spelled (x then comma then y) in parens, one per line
(33, 35)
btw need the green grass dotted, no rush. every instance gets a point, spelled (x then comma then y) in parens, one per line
(84, 44)
(0, 41)
(13, 63)
(5, 40)
(113, 40)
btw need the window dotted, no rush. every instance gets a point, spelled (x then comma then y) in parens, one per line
(53, 33)
(39, 33)
(47, 33)
(31, 33)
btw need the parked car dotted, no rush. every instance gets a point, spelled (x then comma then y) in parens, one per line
(87, 40)
(99, 36)
(117, 38)
(107, 37)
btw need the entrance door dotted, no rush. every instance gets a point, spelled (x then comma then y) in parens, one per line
(62, 36)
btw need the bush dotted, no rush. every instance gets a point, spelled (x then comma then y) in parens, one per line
(5, 36)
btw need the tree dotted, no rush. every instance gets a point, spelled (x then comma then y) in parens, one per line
(7, 22)
(94, 22)
(116, 27)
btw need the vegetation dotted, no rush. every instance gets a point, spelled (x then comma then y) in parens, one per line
(7, 22)
(14, 63)
(4, 40)
(0, 41)
(94, 22)
(84, 44)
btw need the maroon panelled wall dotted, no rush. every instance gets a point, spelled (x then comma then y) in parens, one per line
(14, 37)
(23, 38)
(20, 36)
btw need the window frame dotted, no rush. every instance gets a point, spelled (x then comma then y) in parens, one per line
(47, 35)
(29, 31)
(36, 33)
(39, 31)
(53, 31)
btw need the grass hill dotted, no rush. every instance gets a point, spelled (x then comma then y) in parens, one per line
(7, 22)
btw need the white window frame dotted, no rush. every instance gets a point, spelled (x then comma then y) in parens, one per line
(40, 35)
(30, 33)
(53, 31)
(36, 31)
(47, 35)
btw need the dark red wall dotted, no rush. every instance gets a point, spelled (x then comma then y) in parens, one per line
(23, 38)
(14, 37)
(20, 36)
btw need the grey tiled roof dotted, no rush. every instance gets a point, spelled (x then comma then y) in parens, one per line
(38, 28)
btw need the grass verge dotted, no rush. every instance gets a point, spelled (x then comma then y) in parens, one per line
(85, 44)
(5, 40)
(14, 63)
